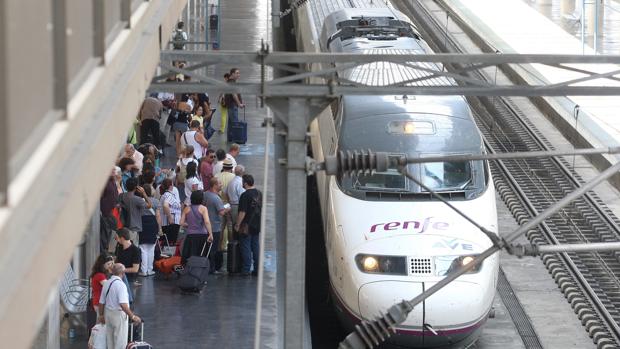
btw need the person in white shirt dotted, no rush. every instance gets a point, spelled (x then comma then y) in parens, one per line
(114, 309)
(192, 182)
(195, 138)
(220, 155)
(233, 152)
(234, 191)
(132, 153)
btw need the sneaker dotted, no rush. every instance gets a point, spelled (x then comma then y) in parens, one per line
(142, 274)
(218, 272)
(137, 283)
(150, 273)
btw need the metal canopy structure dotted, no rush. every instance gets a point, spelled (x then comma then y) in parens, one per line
(314, 79)
(587, 75)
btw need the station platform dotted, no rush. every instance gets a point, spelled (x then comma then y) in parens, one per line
(544, 27)
(223, 315)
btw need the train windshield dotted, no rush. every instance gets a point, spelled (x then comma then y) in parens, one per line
(446, 175)
(458, 179)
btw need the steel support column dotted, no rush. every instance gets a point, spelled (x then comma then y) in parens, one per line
(61, 78)
(4, 108)
(99, 30)
(279, 141)
(293, 117)
(298, 115)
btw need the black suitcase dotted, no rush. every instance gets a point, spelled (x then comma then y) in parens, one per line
(239, 131)
(233, 257)
(194, 275)
(213, 19)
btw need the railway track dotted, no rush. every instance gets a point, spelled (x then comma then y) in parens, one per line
(589, 281)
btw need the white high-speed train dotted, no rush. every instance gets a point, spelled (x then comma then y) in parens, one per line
(386, 238)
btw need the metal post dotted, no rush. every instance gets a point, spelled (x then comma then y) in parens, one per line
(4, 107)
(583, 27)
(298, 114)
(207, 25)
(126, 13)
(99, 30)
(280, 224)
(59, 35)
(219, 22)
(596, 19)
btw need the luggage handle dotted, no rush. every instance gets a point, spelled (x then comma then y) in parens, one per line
(203, 249)
(243, 113)
(167, 242)
(131, 331)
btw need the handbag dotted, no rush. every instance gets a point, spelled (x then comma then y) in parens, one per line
(97, 338)
(167, 249)
(172, 117)
(243, 229)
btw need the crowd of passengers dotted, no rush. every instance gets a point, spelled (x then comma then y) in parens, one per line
(149, 212)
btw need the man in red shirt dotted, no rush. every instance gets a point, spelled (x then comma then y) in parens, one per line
(206, 168)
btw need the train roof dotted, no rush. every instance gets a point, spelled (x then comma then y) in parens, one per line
(353, 13)
(359, 107)
(446, 124)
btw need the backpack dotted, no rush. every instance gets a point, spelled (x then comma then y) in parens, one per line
(178, 40)
(256, 205)
(124, 214)
(182, 174)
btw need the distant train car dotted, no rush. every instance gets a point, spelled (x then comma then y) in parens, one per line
(387, 238)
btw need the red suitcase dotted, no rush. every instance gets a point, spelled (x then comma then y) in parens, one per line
(166, 265)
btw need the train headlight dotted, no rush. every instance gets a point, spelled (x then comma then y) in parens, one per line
(446, 264)
(375, 264)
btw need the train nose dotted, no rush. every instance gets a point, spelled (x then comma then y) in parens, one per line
(376, 297)
(452, 315)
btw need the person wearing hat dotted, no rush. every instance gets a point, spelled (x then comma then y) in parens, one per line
(225, 177)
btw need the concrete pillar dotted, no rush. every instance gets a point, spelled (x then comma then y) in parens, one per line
(49, 332)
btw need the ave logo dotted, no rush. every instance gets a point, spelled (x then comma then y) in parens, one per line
(453, 244)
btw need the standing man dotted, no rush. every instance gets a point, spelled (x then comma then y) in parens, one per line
(179, 38)
(108, 201)
(216, 209)
(150, 115)
(136, 156)
(195, 138)
(206, 168)
(225, 177)
(233, 100)
(128, 255)
(248, 225)
(114, 309)
(234, 191)
(132, 206)
(233, 152)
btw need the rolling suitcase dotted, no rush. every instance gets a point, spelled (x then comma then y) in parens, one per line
(233, 257)
(239, 131)
(138, 344)
(194, 276)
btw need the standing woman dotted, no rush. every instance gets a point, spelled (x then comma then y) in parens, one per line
(151, 221)
(195, 220)
(223, 107)
(171, 211)
(99, 274)
(192, 182)
(198, 115)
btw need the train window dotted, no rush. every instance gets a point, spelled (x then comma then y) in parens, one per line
(391, 180)
(446, 175)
